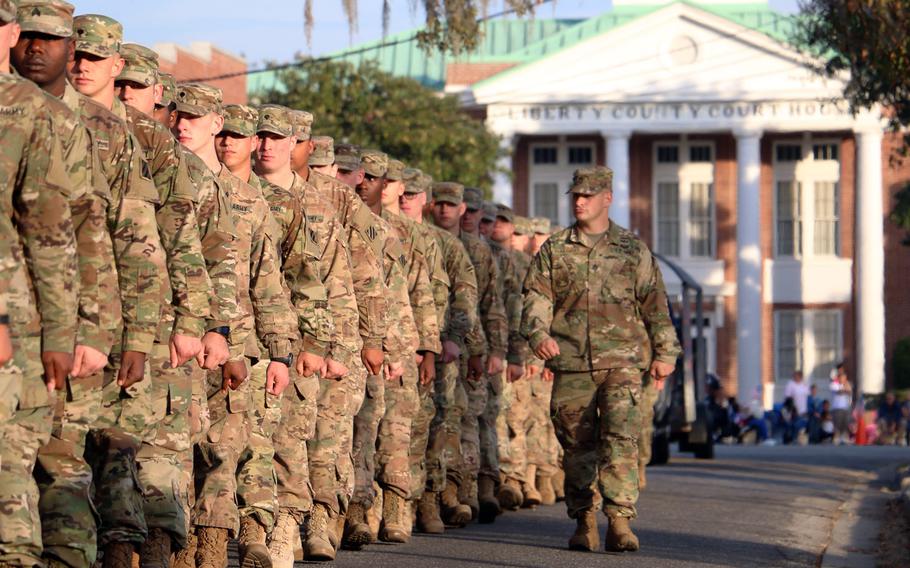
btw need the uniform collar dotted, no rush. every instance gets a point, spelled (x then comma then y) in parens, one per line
(119, 109)
(577, 236)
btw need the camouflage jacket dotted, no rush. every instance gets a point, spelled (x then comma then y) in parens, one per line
(462, 314)
(490, 307)
(401, 340)
(512, 271)
(140, 258)
(366, 265)
(99, 303)
(266, 328)
(439, 278)
(603, 302)
(316, 268)
(217, 234)
(420, 292)
(186, 306)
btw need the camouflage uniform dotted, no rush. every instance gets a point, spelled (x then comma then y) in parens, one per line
(126, 418)
(41, 297)
(602, 299)
(64, 477)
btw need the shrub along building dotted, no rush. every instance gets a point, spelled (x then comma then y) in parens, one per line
(730, 157)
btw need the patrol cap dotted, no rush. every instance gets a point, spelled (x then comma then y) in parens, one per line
(51, 17)
(473, 198)
(196, 99)
(489, 211)
(374, 162)
(323, 151)
(97, 35)
(522, 226)
(591, 181)
(540, 225)
(505, 212)
(395, 171)
(8, 10)
(169, 89)
(302, 122)
(413, 181)
(241, 120)
(140, 64)
(347, 157)
(448, 192)
(275, 119)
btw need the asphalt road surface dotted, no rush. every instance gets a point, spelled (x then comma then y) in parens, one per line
(752, 506)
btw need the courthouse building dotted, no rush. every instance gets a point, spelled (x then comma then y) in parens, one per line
(730, 157)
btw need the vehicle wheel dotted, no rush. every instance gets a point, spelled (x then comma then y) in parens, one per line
(660, 449)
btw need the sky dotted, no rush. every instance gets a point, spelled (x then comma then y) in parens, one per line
(272, 30)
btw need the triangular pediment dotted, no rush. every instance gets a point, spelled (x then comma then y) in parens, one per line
(677, 53)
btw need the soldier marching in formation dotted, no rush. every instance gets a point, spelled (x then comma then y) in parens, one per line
(216, 325)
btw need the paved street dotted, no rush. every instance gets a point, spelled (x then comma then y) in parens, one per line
(753, 506)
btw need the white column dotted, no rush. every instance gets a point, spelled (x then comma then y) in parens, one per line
(748, 266)
(502, 180)
(618, 161)
(870, 264)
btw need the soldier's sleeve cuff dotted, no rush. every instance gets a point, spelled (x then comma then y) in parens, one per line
(55, 340)
(669, 359)
(279, 348)
(139, 341)
(430, 346)
(190, 326)
(91, 335)
(537, 338)
(312, 345)
(212, 323)
(372, 342)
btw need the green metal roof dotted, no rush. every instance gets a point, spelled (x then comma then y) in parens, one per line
(523, 41)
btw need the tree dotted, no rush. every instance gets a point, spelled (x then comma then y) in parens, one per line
(451, 25)
(869, 39)
(373, 109)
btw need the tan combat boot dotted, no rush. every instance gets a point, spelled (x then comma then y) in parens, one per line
(118, 555)
(186, 558)
(211, 547)
(620, 537)
(395, 518)
(356, 528)
(453, 512)
(642, 478)
(545, 488)
(559, 484)
(489, 504)
(374, 513)
(530, 495)
(284, 537)
(155, 552)
(428, 519)
(586, 536)
(467, 495)
(509, 495)
(317, 545)
(251, 544)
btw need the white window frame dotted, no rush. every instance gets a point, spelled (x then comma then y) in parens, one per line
(808, 346)
(807, 172)
(685, 173)
(559, 173)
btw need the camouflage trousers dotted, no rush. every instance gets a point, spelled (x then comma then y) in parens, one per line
(326, 449)
(23, 433)
(363, 448)
(290, 462)
(217, 456)
(476, 394)
(420, 453)
(393, 442)
(648, 399)
(445, 429)
(512, 429)
(198, 423)
(257, 490)
(597, 416)
(542, 445)
(64, 476)
(159, 457)
(489, 437)
(126, 419)
(356, 396)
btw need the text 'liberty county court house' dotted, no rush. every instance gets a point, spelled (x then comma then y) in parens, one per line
(730, 156)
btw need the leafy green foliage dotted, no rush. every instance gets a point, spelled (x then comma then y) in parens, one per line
(900, 215)
(373, 109)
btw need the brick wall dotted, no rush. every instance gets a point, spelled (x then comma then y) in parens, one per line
(201, 60)
(895, 175)
(470, 73)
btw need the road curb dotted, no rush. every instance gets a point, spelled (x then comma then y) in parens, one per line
(855, 532)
